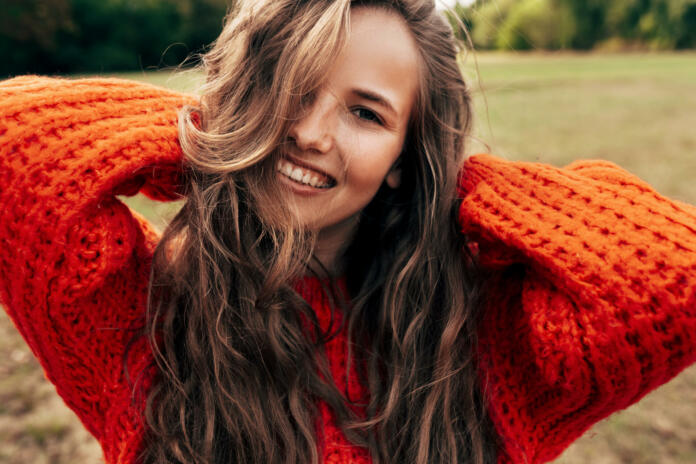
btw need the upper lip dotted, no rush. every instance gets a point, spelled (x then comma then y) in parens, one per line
(307, 165)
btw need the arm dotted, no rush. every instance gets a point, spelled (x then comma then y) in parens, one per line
(74, 260)
(594, 303)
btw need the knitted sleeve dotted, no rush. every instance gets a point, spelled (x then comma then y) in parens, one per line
(73, 258)
(594, 295)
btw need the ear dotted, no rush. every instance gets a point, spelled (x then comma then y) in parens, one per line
(393, 178)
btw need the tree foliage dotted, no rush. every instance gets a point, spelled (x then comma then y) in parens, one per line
(580, 24)
(69, 36)
(533, 24)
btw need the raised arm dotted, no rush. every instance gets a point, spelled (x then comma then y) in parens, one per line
(594, 295)
(74, 260)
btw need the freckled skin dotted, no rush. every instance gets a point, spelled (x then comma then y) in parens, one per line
(356, 140)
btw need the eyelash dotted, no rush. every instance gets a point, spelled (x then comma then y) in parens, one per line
(376, 119)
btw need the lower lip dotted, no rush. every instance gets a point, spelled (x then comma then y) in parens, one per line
(301, 189)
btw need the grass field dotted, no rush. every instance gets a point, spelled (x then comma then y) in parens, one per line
(636, 110)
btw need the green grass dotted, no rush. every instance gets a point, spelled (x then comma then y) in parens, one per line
(636, 110)
(183, 81)
(574, 67)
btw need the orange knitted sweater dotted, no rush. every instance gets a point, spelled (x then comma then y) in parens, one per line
(600, 310)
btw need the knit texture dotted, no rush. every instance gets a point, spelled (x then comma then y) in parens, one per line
(592, 297)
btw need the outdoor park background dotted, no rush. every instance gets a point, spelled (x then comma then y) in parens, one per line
(637, 109)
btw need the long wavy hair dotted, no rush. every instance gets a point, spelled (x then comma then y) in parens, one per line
(238, 359)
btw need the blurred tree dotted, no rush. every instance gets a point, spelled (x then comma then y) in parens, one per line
(669, 24)
(623, 16)
(68, 36)
(589, 21)
(686, 34)
(460, 18)
(487, 16)
(28, 31)
(537, 24)
(112, 35)
(204, 22)
(34, 21)
(525, 24)
(654, 25)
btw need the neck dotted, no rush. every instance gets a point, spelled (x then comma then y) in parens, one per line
(331, 245)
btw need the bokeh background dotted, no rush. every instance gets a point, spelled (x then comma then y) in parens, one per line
(552, 80)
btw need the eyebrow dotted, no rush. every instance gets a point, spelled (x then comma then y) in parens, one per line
(375, 97)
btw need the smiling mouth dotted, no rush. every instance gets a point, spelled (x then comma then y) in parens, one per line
(303, 175)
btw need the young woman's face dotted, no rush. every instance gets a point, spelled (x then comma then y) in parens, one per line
(345, 145)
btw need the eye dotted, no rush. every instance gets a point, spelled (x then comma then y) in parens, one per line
(307, 100)
(367, 115)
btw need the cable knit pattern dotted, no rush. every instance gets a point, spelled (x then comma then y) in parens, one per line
(592, 301)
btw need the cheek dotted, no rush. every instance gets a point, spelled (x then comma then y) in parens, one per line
(367, 178)
(368, 162)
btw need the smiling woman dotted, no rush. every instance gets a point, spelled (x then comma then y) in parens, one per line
(340, 286)
(365, 100)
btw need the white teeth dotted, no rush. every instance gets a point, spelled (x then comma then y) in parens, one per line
(299, 174)
(286, 168)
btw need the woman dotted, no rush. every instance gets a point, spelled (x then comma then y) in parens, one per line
(337, 286)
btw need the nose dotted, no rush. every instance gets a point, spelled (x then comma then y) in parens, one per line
(313, 131)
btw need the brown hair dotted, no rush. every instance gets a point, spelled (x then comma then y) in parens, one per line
(240, 367)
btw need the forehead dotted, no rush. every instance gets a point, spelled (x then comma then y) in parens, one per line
(381, 56)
